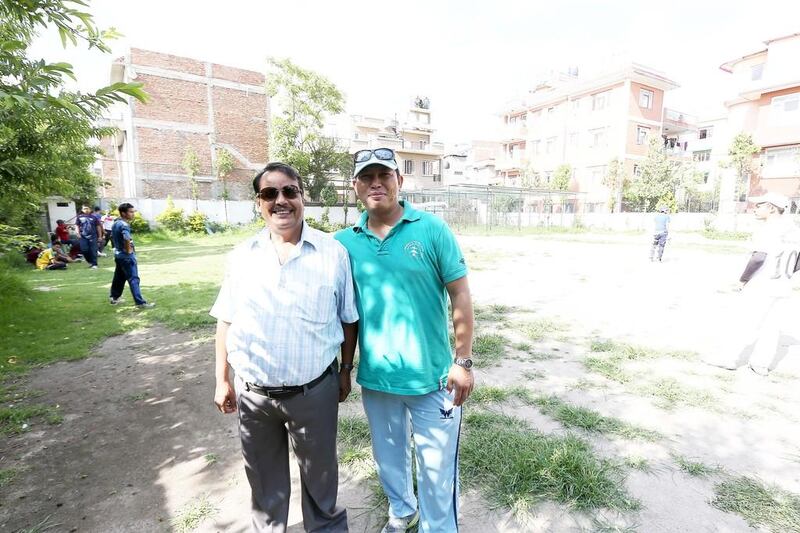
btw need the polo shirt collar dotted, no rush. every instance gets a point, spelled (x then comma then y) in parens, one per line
(409, 215)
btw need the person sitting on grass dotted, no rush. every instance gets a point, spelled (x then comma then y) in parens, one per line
(65, 238)
(52, 258)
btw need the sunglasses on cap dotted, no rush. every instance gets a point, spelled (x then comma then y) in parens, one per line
(384, 154)
(268, 194)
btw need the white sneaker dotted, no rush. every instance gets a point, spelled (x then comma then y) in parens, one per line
(114, 301)
(760, 370)
(148, 305)
(93, 267)
(401, 525)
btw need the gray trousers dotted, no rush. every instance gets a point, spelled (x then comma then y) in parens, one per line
(309, 421)
(659, 241)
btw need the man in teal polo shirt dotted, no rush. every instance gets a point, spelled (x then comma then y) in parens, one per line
(405, 264)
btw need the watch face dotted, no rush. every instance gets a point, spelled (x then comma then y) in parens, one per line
(464, 363)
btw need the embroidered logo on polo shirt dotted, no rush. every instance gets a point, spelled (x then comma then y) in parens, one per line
(414, 249)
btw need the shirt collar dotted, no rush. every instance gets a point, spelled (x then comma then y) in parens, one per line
(409, 215)
(307, 235)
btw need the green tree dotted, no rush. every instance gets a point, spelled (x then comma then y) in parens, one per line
(616, 180)
(44, 129)
(658, 179)
(562, 177)
(224, 166)
(305, 98)
(531, 179)
(740, 158)
(191, 165)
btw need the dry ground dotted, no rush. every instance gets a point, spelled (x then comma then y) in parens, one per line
(141, 445)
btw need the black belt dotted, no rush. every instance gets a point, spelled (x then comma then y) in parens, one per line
(286, 391)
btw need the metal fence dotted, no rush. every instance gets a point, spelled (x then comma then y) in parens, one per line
(464, 206)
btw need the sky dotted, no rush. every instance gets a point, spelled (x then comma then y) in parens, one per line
(469, 57)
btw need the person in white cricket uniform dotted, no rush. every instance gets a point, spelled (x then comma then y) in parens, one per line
(764, 311)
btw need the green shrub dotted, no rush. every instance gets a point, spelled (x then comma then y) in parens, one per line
(172, 217)
(12, 239)
(197, 222)
(327, 227)
(139, 224)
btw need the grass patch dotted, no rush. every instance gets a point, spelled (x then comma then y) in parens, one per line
(355, 442)
(492, 394)
(538, 329)
(694, 468)
(533, 375)
(492, 313)
(490, 349)
(717, 235)
(669, 394)
(637, 463)
(588, 420)
(17, 418)
(211, 458)
(190, 516)
(518, 467)
(523, 346)
(7, 475)
(77, 312)
(608, 367)
(759, 504)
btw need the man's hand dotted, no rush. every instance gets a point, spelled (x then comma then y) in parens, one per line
(460, 379)
(225, 397)
(344, 385)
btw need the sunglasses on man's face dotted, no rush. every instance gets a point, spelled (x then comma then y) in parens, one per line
(268, 194)
(384, 154)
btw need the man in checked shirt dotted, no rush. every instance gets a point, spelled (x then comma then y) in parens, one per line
(285, 310)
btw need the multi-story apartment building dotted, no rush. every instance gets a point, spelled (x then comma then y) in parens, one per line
(194, 104)
(472, 164)
(705, 142)
(767, 106)
(419, 156)
(585, 124)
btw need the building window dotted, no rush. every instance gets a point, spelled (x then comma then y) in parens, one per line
(646, 98)
(598, 137)
(781, 162)
(599, 101)
(705, 133)
(702, 155)
(535, 147)
(408, 166)
(551, 111)
(705, 177)
(427, 168)
(548, 176)
(573, 139)
(423, 145)
(757, 72)
(550, 146)
(641, 134)
(637, 171)
(355, 135)
(786, 109)
(576, 104)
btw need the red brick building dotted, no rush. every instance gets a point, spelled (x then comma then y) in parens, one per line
(192, 103)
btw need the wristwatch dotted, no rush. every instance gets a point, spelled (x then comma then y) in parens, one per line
(346, 366)
(465, 363)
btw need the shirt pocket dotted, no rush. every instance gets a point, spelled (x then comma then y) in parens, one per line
(318, 305)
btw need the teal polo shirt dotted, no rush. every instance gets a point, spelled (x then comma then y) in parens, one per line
(402, 301)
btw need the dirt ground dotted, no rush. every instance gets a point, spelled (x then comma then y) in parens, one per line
(141, 441)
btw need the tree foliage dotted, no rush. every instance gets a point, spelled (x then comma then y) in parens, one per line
(617, 181)
(45, 129)
(740, 157)
(191, 165)
(562, 178)
(305, 99)
(223, 166)
(658, 180)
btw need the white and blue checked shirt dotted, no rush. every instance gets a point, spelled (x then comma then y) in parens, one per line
(285, 320)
